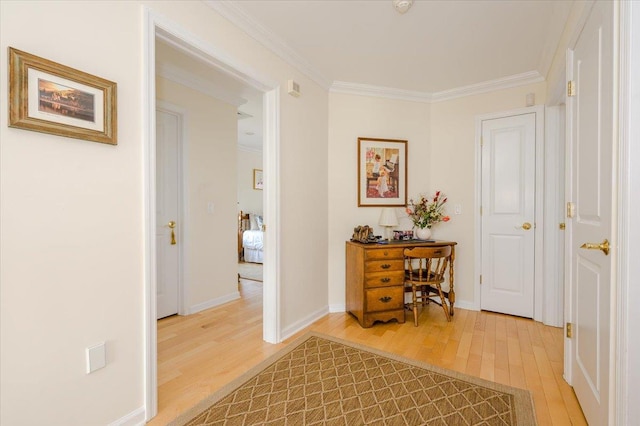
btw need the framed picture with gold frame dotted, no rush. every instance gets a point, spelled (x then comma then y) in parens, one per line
(382, 172)
(48, 97)
(258, 183)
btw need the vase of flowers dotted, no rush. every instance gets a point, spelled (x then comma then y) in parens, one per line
(426, 212)
(423, 233)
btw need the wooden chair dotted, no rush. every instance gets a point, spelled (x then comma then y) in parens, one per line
(424, 274)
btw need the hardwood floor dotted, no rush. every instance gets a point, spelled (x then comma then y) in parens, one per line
(200, 353)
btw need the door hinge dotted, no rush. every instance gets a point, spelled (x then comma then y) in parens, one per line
(480, 279)
(571, 209)
(562, 226)
(569, 330)
(571, 88)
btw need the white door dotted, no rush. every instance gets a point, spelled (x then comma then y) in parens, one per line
(168, 130)
(591, 169)
(508, 212)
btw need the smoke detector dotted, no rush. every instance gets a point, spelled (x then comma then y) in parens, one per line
(402, 5)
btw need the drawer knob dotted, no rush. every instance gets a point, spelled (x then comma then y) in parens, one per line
(385, 279)
(386, 253)
(385, 266)
(385, 299)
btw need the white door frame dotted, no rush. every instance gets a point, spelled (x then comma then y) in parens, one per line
(158, 25)
(539, 219)
(554, 177)
(627, 349)
(183, 259)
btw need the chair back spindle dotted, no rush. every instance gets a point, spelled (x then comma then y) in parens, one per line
(424, 275)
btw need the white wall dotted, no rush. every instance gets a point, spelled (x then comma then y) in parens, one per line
(71, 213)
(452, 169)
(71, 269)
(351, 117)
(441, 155)
(304, 198)
(249, 199)
(210, 150)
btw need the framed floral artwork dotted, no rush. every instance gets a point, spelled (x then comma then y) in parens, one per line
(382, 172)
(48, 97)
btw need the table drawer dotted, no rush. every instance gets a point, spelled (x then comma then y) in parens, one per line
(381, 279)
(384, 253)
(384, 265)
(384, 298)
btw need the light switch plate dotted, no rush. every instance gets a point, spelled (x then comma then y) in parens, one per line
(96, 357)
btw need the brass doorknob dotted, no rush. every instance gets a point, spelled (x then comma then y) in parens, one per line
(172, 225)
(604, 246)
(526, 226)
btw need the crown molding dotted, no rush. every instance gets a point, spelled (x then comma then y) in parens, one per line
(379, 92)
(185, 78)
(268, 39)
(508, 82)
(445, 95)
(271, 41)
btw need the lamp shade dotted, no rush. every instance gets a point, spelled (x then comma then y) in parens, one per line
(388, 217)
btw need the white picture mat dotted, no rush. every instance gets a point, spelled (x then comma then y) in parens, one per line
(34, 100)
(401, 161)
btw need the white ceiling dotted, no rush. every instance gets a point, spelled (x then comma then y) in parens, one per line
(435, 47)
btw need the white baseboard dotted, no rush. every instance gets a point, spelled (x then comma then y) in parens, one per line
(213, 302)
(134, 418)
(465, 304)
(338, 307)
(304, 322)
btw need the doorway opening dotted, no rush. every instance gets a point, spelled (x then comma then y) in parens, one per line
(171, 33)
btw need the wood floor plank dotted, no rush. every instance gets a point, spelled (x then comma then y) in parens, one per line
(501, 365)
(200, 353)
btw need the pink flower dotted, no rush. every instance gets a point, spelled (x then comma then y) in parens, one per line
(446, 219)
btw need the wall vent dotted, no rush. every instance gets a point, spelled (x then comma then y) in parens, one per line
(293, 88)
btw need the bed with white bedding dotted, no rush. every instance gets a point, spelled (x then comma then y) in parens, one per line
(253, 245)
(250, 238)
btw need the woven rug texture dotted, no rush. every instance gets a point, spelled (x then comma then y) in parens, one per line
(320, 380)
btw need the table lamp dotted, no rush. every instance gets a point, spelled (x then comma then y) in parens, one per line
(388, 219)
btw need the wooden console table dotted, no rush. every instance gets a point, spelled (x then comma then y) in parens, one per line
(375, 279)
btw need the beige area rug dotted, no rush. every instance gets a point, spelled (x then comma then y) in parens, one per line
(320, 380)
(250, 271)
